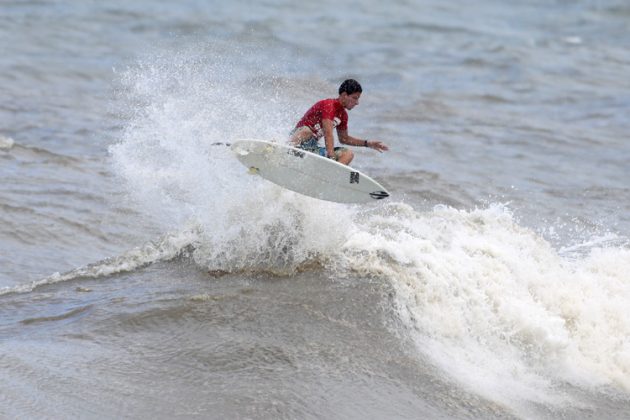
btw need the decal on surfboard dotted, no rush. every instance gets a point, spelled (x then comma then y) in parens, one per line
(379, 195)
(295, 153)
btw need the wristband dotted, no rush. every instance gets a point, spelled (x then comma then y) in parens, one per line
(366, 143)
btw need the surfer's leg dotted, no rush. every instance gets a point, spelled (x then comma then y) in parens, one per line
(300, 135)
(343, 155)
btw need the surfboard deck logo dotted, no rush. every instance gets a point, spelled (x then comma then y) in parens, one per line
(307, 173)
(296, 153)
(354, 177)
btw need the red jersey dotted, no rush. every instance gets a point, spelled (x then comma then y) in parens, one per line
(329, 109)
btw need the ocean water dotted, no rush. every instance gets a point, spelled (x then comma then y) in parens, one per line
(144, 274)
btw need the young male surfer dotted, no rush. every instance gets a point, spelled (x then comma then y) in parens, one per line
(327, 114)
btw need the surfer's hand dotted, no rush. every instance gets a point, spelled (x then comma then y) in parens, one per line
(378, 145)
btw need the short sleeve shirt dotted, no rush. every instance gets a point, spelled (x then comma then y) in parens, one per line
(327, 109)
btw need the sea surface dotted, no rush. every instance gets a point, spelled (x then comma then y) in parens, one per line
(145, 274)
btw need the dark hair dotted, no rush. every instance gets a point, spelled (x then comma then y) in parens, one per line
(350, 86)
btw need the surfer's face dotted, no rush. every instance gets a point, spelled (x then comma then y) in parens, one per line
(350, 101)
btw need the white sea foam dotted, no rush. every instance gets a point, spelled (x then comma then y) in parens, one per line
(6, 142)
(163, 249)
(496, 306)
(180, 105)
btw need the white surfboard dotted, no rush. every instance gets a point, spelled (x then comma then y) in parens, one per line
(307, 173)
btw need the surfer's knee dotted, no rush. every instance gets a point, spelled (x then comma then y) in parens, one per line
(345, 156)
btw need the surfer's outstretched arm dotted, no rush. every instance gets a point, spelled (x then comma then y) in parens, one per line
(345, 138)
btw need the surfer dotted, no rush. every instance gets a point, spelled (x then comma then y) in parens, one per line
(327, 114)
